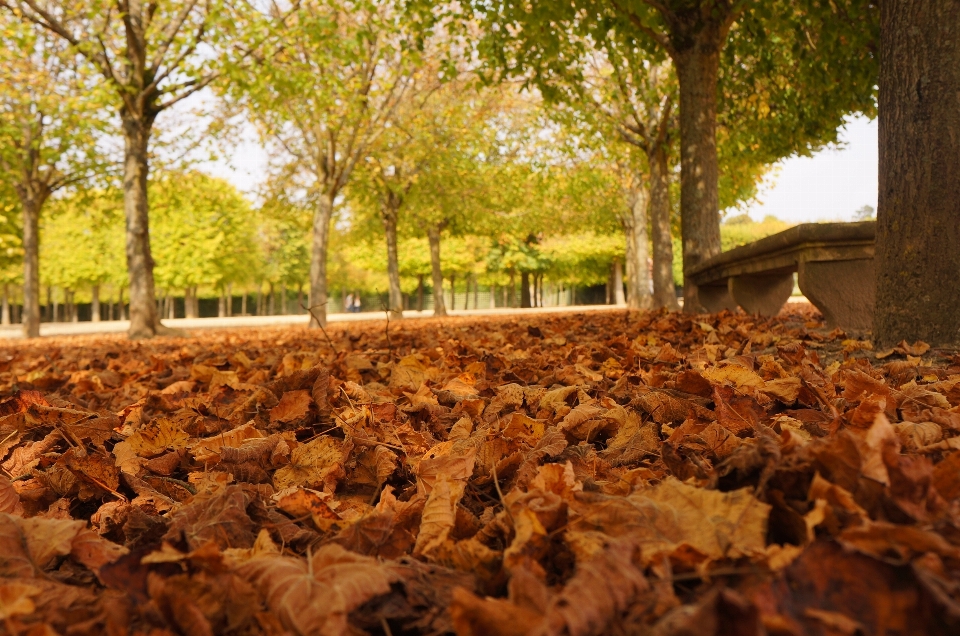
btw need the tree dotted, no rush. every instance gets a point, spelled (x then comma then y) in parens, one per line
(322, 96)
(82, 240)
(203, 235)
(918, 221)
(151, 56)
(807, 64)
(50, 120)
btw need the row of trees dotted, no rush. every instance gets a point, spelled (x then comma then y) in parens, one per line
(374, 102)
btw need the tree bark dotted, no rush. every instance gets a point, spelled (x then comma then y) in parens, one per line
(420, 292)
(524, 290)
(664, 294)
(95, 303)
(144, 321)
(918, 220)
(31, 204)
(476, 292)
(318, 260)
(439, 308)
(617, 282)
(697, 65)
(190, 304)
(635, 228)
(388, 212)
(453, 290)
(5, 310)
(243, 301)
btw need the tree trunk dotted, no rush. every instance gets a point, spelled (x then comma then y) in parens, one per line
(243, 301)
(31, 267)
(664, 294)
(524, 290)
(420, 292)
(95, 303)
(697, 69)
(453, 291)
(439, 308)
(389, 212)
(5, 310)
(318, 260)
(144, 321)
(229, 300)
(617, 282)
(476, 292)
(191, 305)
(635, 228)
(512, 290)
(493, 296)
(918, 220)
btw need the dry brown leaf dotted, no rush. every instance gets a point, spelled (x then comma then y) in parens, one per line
(293, 407)
(316, 464)
(316, 598)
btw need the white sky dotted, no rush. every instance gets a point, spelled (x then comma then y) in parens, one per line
(829, 186)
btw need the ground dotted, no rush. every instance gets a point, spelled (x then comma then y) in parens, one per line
(612, 472)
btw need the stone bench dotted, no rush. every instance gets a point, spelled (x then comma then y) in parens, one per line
(834, 265)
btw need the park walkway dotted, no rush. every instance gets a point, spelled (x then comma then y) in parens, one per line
(120, 326)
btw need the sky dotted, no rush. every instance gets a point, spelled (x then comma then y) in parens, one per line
(829, 186)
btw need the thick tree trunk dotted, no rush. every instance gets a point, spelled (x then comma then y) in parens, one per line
(389, 212)
(190, 304)
(918, 220)
(144, 321)
(31, 266)
(617, 282)
(5, 309)
(95, 303)
(664, 294)
(318, 260)
(453, 291)
(638, 253)
(697, 69)
(439, 308)
(524, 290)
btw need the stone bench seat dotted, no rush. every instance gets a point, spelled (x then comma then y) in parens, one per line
(833, 262)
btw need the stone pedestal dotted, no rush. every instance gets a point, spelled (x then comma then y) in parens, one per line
(843, 291)
(763, 294)
(716, 298)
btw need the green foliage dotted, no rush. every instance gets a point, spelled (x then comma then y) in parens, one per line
(203, 232)
(82, 241)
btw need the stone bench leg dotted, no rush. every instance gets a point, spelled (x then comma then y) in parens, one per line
(716, 298)
(762, 294)
(843, 291)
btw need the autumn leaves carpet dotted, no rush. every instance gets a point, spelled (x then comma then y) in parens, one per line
(612, 473)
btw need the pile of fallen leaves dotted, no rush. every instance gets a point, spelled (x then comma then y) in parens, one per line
(611, 473)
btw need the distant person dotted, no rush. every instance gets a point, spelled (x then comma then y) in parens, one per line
(348, 303)
(355, 307)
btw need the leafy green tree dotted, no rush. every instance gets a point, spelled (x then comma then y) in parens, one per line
(151, 56)
(321, 97)
(778, 76)
(204, 234)
(81, 244)
(50, 120)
